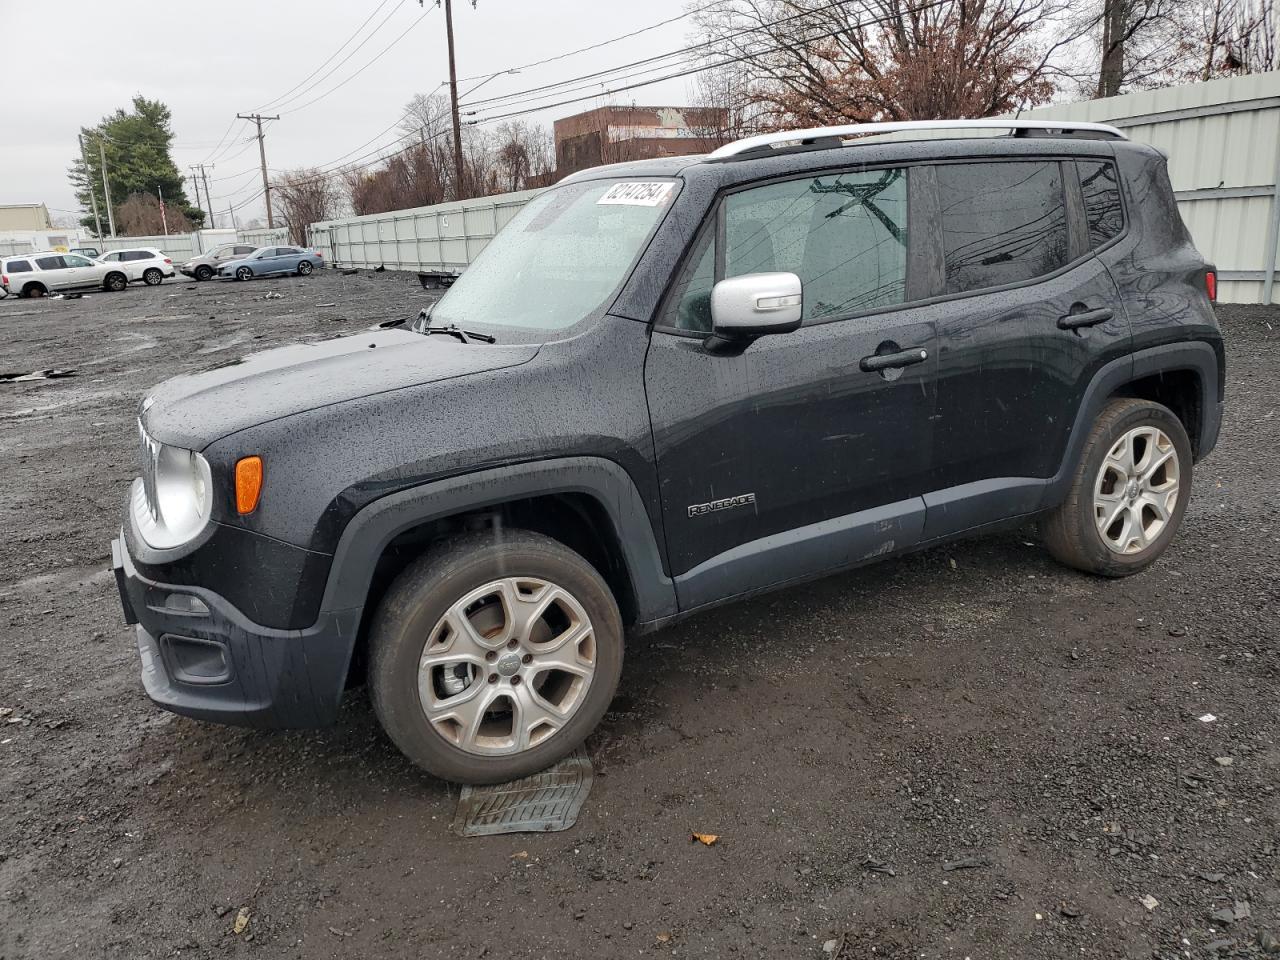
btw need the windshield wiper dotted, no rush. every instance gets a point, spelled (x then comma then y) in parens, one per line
(423, 325)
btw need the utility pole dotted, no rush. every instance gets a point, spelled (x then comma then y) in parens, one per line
(93, 193)
(208, 198)
(106, 187)
(207, 203)
(262, 153)
(453, 100)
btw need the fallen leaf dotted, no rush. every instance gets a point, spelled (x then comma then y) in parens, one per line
(242, 921)
(664, 937)
(520, 855)
(707, 839)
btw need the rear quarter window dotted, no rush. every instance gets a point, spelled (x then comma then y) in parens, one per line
(1003, 222)
(17, 266)
(1102, 207)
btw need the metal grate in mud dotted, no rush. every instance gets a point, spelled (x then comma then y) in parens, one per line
(542, 803)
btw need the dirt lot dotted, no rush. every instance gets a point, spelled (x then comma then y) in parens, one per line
(849, 741)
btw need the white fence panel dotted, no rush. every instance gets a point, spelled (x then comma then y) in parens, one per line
(176, 246)
(447, 236)
(264, 237)
(11, 247)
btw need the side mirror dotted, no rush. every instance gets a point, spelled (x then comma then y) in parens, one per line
(756, 304)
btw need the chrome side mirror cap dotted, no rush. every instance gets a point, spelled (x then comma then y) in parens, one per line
(756, 304)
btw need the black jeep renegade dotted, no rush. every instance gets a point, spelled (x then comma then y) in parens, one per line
(663, 386)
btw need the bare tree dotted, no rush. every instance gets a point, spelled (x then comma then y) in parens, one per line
(1233, 37)
(303, 197)
(522, 151)
(139, 216)
(725, 110)
(812, 62)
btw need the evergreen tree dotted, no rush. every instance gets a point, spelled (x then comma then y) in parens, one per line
(137, 143)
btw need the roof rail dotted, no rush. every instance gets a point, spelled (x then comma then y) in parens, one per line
(807, 137)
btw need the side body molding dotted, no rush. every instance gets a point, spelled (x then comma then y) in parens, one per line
(370, 530)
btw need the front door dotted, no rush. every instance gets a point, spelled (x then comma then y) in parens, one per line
(805, 451)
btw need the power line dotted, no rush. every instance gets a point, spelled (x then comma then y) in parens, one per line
(657, 58)
(375, 59)
(271, 103)
(710, 66)
(596, 46)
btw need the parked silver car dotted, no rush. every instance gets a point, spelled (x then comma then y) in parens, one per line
(205, 266)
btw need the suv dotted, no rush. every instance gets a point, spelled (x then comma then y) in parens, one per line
(663, 386)
(205, 266)
(143, 263)
(38, 274)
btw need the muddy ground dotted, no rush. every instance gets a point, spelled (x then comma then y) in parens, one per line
(848, 741)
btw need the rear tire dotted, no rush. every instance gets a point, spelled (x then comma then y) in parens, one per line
(152, 277)
(304, 268)
(464, 672)
(34, 290)
(1128, 494)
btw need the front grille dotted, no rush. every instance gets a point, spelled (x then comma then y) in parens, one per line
(148, 461)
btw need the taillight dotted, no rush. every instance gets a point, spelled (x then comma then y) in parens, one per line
(167, 260)
(4, 280)
(1211, 285)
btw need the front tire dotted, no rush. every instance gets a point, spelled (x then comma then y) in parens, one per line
(204, 272)
(244, 273)
(494, 656)
(1129, 492)
(115, 282)
(152, 277)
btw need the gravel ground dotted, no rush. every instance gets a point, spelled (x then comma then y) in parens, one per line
(970, 752)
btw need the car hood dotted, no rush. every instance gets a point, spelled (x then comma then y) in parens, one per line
(194, 410)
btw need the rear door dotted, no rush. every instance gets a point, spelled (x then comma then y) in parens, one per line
(1033, 313)
(792, 454)
(54, 273)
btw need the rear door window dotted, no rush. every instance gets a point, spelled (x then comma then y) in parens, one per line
(244, 251)
(1102, 207)
(1002, 222)
(50, 263)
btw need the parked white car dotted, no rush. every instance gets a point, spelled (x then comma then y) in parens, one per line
(142, 263)
(38, 274)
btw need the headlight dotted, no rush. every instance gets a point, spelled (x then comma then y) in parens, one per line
(173, 498)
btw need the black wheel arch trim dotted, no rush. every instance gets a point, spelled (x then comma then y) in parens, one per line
(368, 533)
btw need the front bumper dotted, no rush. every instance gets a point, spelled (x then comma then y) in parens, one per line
(202, 658)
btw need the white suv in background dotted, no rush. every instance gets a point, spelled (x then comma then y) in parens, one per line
(142, 263)
(38, 274)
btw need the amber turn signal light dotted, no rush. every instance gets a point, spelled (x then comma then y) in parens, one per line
(248, 484)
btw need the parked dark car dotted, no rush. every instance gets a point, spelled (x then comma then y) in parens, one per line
(664, 386)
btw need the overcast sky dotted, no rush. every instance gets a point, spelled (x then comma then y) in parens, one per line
(87, 58)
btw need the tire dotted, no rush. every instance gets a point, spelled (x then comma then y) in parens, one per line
(204, 272)
(152, 277)
(412, 620)
(244, 273)
(1147, 499)
(34, 290)
(115, 282)
(305, 268)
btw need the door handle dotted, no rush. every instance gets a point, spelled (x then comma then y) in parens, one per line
(893, 361)
(1085, 318)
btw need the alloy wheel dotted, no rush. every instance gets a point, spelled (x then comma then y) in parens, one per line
(507, 666)
(1136, 492)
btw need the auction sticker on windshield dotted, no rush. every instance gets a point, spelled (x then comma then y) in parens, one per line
(639, 194)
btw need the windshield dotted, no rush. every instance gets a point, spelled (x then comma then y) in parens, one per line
(561, 257)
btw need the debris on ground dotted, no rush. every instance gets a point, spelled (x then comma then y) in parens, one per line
(51, 374)
(706, 839)
(273, 295)
(1149, 902)
(541, 803)
(1237, 911)
(242, 921)
(967, 863)
(878, 866)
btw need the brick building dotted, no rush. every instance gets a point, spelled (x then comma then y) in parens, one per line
(618, 134)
